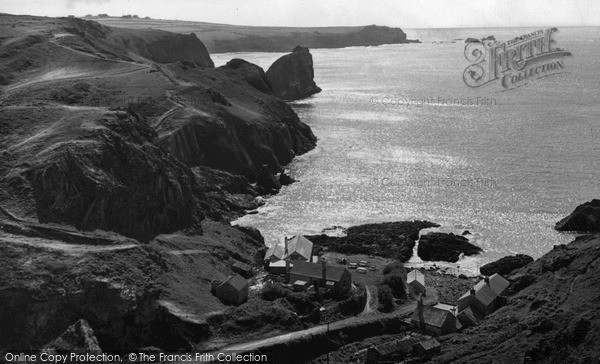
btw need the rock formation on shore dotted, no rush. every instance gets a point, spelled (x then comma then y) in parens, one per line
(125, 155)
(506, 265)
(436, 246)
(585, 218)
(394, 240)
(292, 76)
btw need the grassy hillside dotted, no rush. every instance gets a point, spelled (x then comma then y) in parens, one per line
(220, 38)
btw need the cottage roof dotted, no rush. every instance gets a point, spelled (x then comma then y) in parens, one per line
(468, 315)
(315, 270)
(497, 283)
(276, 250)
(301, 245)
(396, 346)
(428, 344)
(236, 281)
(415, 275)
(486, 292)
(431, 316)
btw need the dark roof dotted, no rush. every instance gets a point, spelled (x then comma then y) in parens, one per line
(415, 275)
(301, 245)
(468, 315)
(497, 283)
(236, 281)
(483, 293)
(314, 270)
(431, 316)
(428, 344)
(396, 346)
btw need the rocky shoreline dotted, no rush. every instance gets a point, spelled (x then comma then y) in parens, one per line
(126, 154)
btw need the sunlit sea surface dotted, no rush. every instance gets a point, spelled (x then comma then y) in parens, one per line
(506, 170)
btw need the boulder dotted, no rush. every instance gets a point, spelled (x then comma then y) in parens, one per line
(505, 265)
(253, 74)
(79, 336)
(472, 40)
(445, 247)
(292, 75)
(285, 179)
(585, 218)
(267, 182)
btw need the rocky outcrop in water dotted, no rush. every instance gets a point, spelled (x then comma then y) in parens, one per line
(585, 218)
(436, 246)
(394, 240)
(292, 76)
(506, 265)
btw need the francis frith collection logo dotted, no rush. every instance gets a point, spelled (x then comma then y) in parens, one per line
(515, 62)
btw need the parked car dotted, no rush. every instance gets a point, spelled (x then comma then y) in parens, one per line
(352, 266)
(361, 270)
(363, 263)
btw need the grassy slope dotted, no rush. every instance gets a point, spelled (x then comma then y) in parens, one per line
(220, 38)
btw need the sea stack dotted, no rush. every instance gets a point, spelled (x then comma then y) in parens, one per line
(291, 76)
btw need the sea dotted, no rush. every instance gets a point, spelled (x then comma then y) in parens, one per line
(402, 137)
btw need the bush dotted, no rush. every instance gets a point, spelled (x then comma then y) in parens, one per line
(385, 297)
(272, 291)
(393, 267)
(396, 284)
(355, 304)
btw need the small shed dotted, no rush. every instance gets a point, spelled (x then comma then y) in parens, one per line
(416, 281)
(427, 348)
(243, 269)
(300, 286)
(234, 290)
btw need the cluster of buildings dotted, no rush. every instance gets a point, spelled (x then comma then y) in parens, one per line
(295, 261)
(441, 319)
(398, 350)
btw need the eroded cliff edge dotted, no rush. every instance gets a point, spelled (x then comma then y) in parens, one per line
(125, 154)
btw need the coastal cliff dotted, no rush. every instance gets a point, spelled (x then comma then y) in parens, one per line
(125, 155)
(224, 38)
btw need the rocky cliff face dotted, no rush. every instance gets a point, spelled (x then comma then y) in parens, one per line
(124, 157)
(292, 76)
(228, 124)
(109, 175)
(585, 218)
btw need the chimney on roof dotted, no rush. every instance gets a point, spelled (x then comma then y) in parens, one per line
(420, 313)
(487, 280)
(285, 256)
(472, 291)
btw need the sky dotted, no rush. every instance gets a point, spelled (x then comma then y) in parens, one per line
(397, 13)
